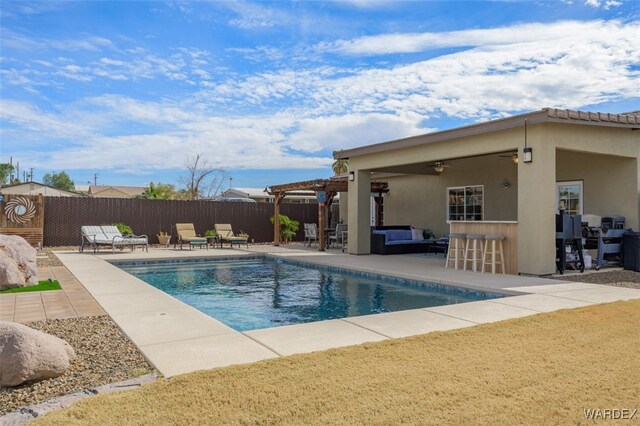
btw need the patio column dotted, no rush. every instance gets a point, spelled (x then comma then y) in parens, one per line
(359, 196)
(637, 224)
(537, 206)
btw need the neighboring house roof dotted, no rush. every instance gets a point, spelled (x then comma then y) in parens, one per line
(259, 193)
(244, 192)
(34, 188)
(116, 191)
(630, 120)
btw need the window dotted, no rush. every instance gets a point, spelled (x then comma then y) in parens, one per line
(569, 197)
(465, 203)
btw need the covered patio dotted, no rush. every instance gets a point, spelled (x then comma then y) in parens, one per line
(502, 176)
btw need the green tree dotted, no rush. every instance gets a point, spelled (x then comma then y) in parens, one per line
(5, 171)
(59, 180)
(160, 191)
(340, 166)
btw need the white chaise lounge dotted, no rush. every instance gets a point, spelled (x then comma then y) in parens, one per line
(110, 236)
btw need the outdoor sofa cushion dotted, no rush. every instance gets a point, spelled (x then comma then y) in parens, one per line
(397, 241)
(93, 234)
(112, 233)
(187, 233)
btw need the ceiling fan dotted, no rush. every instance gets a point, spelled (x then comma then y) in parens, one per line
(513, 156)
(438, 166)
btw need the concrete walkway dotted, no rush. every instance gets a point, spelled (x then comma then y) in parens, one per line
(177, 338)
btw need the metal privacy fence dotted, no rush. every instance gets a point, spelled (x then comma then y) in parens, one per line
(65, 216)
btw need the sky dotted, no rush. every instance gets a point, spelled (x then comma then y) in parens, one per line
(131, 90)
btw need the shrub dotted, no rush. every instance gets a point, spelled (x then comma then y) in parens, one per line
(288, 228)
(124, 228)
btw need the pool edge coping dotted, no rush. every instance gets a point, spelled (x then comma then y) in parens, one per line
(71, 257)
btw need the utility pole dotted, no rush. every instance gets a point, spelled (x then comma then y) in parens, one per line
(31, 174)
(230, 181)
(95, 179)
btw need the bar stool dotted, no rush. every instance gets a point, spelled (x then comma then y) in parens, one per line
(493, 249)
(473, 251)
(455, 253)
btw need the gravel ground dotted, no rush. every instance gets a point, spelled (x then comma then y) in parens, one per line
(51, 259)
(617, 278)
(103, 355)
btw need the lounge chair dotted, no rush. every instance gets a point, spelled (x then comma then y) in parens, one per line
(113, 233)
(187, 235)
(225, 234)
(91, 236)
(310, 233)
(96, 236)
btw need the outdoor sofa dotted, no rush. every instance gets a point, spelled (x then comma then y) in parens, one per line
(109, 236)
(400, 239)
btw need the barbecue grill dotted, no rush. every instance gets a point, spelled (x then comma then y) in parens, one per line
(605, 235)
(569, 234)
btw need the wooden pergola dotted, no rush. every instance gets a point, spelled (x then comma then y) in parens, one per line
(327, 189)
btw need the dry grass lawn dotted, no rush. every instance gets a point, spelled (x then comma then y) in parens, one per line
(543, 369)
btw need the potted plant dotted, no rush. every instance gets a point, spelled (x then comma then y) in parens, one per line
(164, 238)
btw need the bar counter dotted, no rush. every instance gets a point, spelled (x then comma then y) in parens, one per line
(506, 228)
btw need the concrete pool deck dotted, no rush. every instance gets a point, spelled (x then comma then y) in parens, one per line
(176, 338)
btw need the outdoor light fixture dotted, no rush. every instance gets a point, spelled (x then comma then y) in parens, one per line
(528, 151)
(438, 167)
(352, 176)
(514, 158)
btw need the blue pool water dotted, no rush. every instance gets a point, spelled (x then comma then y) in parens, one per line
(258, 293)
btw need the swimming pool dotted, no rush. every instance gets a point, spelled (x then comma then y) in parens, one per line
(249, 294)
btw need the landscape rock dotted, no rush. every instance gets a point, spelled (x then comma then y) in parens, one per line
(18, 266)
(30, 355)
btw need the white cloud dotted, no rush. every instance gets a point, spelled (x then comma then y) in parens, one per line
(290, 117)
(368, 4)
(184, 65)
(505, 36)
(344, 131)
(607, 4)
(595, 62)
(34, 121)
(18, 41)
(254, 15)
(612, 3)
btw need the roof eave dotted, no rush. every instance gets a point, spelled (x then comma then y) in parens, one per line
(545, 115)
(443, 135)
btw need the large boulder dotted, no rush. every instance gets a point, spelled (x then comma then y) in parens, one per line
(27, 354)
(17, 262)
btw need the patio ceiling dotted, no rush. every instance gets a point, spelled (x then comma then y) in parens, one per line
(498, 159)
